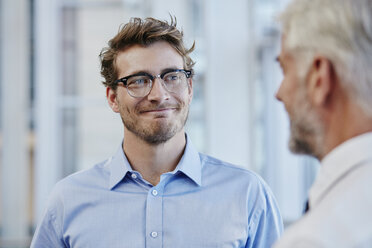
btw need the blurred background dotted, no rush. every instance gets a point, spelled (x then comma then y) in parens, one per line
(54, 119)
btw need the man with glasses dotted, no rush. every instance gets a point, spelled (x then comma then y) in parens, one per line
(157, 190)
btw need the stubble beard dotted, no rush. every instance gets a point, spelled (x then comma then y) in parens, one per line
(307, 130)
(156, 132)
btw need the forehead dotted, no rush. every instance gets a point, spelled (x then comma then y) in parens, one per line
(153, 58)
(285, 56)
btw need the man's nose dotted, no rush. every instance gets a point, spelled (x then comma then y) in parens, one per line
(158, 91)
(277, 96)
(278, 93)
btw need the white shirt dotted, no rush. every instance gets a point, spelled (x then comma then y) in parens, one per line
(340, 201)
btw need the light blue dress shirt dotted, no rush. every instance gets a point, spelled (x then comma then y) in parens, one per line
(203, 203)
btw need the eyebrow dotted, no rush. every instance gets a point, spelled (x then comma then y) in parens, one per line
(161, 72)
(169, 69)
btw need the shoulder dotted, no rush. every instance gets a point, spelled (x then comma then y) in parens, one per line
(80, 183)
(213, 167)
(236, 179)
(309, 231)
(322, 226)
(248, 188)
(210, 162)
(93, 175)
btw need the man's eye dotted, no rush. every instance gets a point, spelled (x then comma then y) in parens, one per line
(138, 81)
(171, 77)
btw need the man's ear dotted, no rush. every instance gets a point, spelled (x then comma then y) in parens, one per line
(112, 99)
(321, 80)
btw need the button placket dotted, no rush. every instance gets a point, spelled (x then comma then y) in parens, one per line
(154, 215)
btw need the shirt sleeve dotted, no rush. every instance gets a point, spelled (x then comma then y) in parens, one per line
(49, 230)
(266, 224)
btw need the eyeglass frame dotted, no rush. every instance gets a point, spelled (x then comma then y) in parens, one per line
(125, 79)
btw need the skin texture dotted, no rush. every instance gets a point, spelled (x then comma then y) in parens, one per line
(153, 125)
(305, 127)
(321, 112)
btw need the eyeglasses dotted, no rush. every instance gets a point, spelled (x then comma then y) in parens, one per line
(140, 84)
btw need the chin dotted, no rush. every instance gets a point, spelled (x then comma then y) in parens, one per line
(160, 133)
(311, 147)
(158, 138)
(298, 146)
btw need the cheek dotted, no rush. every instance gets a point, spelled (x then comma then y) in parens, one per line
(183, 98)
(127, 107)
(287, 94)
(289, 86)
(187, 99)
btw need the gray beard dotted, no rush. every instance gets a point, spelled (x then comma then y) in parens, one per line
(306, 129)
(301, 140)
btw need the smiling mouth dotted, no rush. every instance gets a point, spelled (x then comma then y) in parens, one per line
(161, 110)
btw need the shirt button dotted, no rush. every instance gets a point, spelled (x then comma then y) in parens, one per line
(154, 192)
(154, 234)
(134, 176)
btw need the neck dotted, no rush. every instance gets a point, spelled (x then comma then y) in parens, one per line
(153, 160)
(347, 122)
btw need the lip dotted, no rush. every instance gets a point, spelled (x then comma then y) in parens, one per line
(162, 110)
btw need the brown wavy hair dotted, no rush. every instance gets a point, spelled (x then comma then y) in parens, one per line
(142, 32)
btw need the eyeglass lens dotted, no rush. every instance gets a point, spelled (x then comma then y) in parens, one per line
(140, 86)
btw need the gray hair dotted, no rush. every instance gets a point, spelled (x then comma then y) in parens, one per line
(340, 30)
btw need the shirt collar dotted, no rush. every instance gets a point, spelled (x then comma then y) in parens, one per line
(119, 167)
(190, 165)
(339, 162)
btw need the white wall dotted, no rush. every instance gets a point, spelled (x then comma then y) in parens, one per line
(15, 81)
(227, 93)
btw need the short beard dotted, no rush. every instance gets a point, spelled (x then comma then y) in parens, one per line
(159, 134)
(306, 127)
